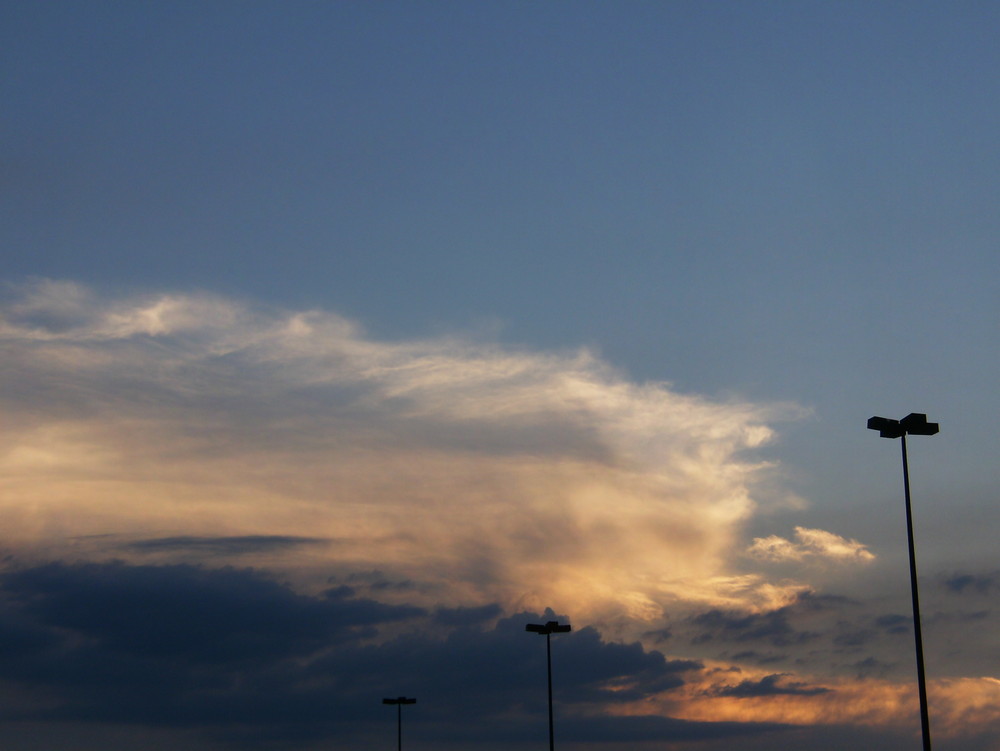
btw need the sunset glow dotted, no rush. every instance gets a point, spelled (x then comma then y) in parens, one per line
(342, 342)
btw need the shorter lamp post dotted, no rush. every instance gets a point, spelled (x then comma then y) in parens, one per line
(549, 628)
(914, 423)
(399, 701)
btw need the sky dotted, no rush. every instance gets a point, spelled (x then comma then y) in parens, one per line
(340, 341)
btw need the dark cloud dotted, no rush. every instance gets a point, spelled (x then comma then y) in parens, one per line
(194, 614)
(172, 645)
(943, 617)
(894, 623)
(818, 737)
(655, 728)
(769, 685)
(223, 546)
(773, 627)
(659, 635)
(963, 583)
(467, 616)
(976, 616)
(20, 637)
(852, 637)
(602, 672)
(810, 602)
(377, 581)
(871, 667)
(827, 624)
(760, 658)
(242, 659)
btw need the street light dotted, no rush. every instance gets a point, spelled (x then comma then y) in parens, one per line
(399, 702)
(549, 628)
(914, 423)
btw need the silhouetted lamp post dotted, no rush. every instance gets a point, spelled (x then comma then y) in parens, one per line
(914, 423)
(549, 628)
(399, 701)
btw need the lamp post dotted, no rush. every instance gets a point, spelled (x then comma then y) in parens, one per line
(399, 701)
(549, 628)
(914, 423)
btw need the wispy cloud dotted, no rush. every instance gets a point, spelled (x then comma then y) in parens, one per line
(811, 543)
(499, 474)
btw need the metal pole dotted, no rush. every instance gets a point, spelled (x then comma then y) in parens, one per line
(548, 655)
(399, 726)
(925, 724)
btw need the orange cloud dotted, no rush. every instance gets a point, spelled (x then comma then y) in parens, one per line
(812, 543)
(494, 473)
(959, 707)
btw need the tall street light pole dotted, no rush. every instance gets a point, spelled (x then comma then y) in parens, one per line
(914, 423)
(399, 702)
(549, 628)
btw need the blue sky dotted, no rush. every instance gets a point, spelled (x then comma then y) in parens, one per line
(500, 249)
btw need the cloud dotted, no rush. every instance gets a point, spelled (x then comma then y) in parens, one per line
(963, 583)
(183, 647)
(870, 666)
(190, 613)
(467, 616)
(759, 658)
(224, 546)
(770, 685)
(812, 544)
(962, 708)
(199, 425)
(222, 514)
(639, 728)
(894, 623)
(772, 627)
(810, 626)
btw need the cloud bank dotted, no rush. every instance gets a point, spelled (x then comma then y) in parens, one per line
(477, 472)
(181, 647)
(223, 519)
